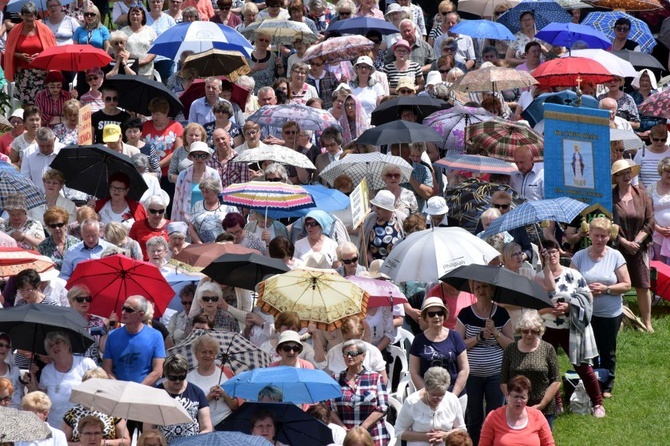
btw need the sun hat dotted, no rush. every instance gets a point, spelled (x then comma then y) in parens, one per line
(374, 270)
(111, 133)
(433, 302)
(620, 165)
(15, 202)
(365, 60)
(95, 71)
(433, 78)
(385, 200)
(393, 8)
(401, 42)
(177, 226)
(18, 113)
(437, 206)
(199, 146)
(288, 336)
(405, 82)
(317, 260)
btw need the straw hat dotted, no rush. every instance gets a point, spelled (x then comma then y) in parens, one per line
(620, 165)
(15, 202)
(374, 270)
(433, 302)
(288, 336)
(406, 82)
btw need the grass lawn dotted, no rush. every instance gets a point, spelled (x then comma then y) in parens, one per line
(637, 414)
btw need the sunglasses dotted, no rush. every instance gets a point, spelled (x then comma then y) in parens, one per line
(156, 211)
(393, 175)
(176, 377)
(444, 12)
(111, 99)
(291, 348)
(199, 156)
(128, 310)
(311, 224)
(435, 313)
(501, 206)
(210, 298)
(92, 78)
(375, 41)
(342, 13)
(3, 345)
(659, 139)
(535, 332)
(186, 302)
(290, 132)
(352, 353)
(350, 261)
(443, 71)
(90, 14)
(82, 299)
(56, 225)
(273, 180)
(622, 29)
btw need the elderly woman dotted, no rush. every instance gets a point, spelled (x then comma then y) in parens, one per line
(140, 39)
(61, 25)
(224, 14)
(209, 376)
(177, 232)
(660, 197)
(11, 389)
(249, 14)
(404, 199)
(571, 295)
(621, 41)
(223, 111)
(29, 289)
(27, 233)
(233, 223)
(286, 321)
(289, 348)
(263, 424)
(264, 63)
(516, 50)
(51, 98)
(648, 157)
(132, 130)
(430, 414)
(300, 91)
(186, 195)
(117, 234)
(354, 121)
(487, 331)
(92, 32)
(190, 396)
(439, 346)
(516, 423)
(384, 220)
(114, 432)
(644, 85)
(7, 392)
(64, 372)
(204, 222)
(58, 241)
(155, 224)
(207, 299)
(364, 400)
(347, 255)
(164, 134)
(179, 321)
(265, 228)
(79, 298)
(318, 224)
(158, 249)
(367, 90)
(118, 207)
(252, 138)
(123, 63)
(39, 403)
(67, 131)
(179, 162)
(353, 327)
(24, 43)
(626, 107)
(402, 66)
(535, 359)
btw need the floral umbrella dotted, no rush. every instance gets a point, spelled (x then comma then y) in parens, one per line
(500, 139)
(627, 5)
(283, 32)
(657, 105)
(451, 124)
(309, 118)
(338, 49)
(639, 31)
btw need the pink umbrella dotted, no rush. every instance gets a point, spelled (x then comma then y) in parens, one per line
(338, 49)
(383, 293)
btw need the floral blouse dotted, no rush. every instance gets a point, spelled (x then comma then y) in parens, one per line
(48, 248)
(31, 228)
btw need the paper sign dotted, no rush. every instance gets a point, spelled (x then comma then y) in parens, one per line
(360, 205)
(85, 128)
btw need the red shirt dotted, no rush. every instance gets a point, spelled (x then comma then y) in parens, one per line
(141, 232)
(5, 141)
(163, 140)
(454, 305)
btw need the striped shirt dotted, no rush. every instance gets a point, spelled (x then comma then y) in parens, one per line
(485, 357)
(48, 106)
(393, 74)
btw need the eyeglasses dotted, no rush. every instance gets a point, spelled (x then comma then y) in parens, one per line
(3, 345)
(350, 261)
(90, 14)
(30, 291)
(500, 206)
(216, 112)
(210, 298)
(311, 224)
(352, 353)
(435, 313)
(156, 211)
(273, 180)
(449, 49)
(56, 225)
(92, 78)
(659, 139)
(291, 348)
(111, 99)
(82, 299)
(6, 399)
(199, 156)
(290, 132)
(363, 67)
(128, 310)
(117, 189)
(176, 377)
(405, 91)
(393, 175)
(622, 29)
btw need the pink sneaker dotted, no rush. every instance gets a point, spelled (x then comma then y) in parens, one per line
(599, 411)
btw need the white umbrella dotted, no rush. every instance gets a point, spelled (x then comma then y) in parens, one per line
(484, 8)
(616, 65)
(366, 165)
(278, 154)
(425, 256)
(21, 426)
(630, 140)
(129, 400)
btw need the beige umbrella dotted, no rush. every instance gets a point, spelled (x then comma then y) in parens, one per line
(494, 79)
(484, 8)
(21, 426)
(231, 64)
(320, 296)
(278, 154)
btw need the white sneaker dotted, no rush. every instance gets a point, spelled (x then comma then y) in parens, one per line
(599, 411)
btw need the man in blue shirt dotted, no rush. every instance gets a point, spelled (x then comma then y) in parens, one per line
(90, 248)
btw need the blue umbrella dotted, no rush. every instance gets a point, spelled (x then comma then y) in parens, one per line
(361, 25)
(566, 34)
(299, 386)
(221, 439)
(546, 12)
(328, 200)
(557, 209)
(534, 113)
(639, 31)
(15, 5)
(199, 37)
(483, 29)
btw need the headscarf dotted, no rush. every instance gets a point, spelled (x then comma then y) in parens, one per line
(323, 219)
(652, 78)
(361, 119)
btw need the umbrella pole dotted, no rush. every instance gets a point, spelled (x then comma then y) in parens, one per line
(266, 218)
(364, 246)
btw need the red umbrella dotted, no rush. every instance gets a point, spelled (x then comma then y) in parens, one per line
(71, 58)
(197, 90)
(383, 293)
(569, 71)
(113, 279)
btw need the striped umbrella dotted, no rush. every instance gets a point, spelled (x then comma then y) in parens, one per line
(639, 30)
(477, 163)
(12, 182)
(501, 138)
(263, 195)
(366, 165)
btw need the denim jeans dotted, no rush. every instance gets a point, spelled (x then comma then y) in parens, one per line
(481, 390)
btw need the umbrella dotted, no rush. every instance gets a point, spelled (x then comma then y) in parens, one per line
(451, 124)
(511, 288)
(477, 163)
(221, 439)
(387, 111)
(664, 34)
(294, 426)
(501, 138)
(282, 31)
(326, 199)
(657, 105)
(365, 165)
(627, 5)
(12, 182)
(87, 168)
(639, 59)
(277, 154)
(570, 71)
(138, 91)
(434, 252)
(483, 8)
(237, 353)
(630, 140)
(383, 293)
(15, 5)
(263, 195)
(112, 279)
(398, 131)
(199, 37)
(338, 49)
(616, 65)
(71, 58)
(28, 325)
(639, 31)
(483, 29)
(309, 118)
(299, 386)
(244, 270)
(130, 400)
(318, 296)
(470, 198)
(238, 96)
(21, 426)
(561, 209)
(215, 62)
(200, 255)
(361, 25)
(534, 113)
(15, 260)
(545, 11)
(493, 79)
(566, 34)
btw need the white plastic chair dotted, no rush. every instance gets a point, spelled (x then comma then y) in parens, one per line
(406, 338)
(391, 431)
(398, 359)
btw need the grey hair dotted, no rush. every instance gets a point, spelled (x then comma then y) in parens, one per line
(359, 344)
(141, 162)
(57, 336)
(311, 4)
(455, 73)
(530, 320)
(436, 379)
(142, 301)
(212, 184)
(264, 90)
(157, 240)
(204, 340)
(278, 169)
(347, 4)
(155, 199)
(90, 222)
(441, 91)
(114, 250)
(208, 286)
(579, 45)
(175, 365)
(118, 36)
(308, 133)
(664, 164)
(247, 82)
(272, 392)
(29, 8)
(404, 21)
(346, 247)
(45, 134)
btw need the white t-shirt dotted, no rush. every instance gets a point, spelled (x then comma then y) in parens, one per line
(373, 360)
(59, 386)
(218, 410)
(368, 96)
(107, 215)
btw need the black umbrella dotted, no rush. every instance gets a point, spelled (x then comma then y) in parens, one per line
(138, 91)
(87, 169)
(640, 60)
(293, 425)
(244, 270)
(396, 132)
(423, 106)
(28, 325)
(511, 288)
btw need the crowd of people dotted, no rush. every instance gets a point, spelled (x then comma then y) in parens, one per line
(478, 372)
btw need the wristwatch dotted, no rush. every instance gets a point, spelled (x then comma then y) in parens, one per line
(608, 290)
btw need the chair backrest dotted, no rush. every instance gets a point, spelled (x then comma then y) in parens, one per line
(406, 338)
(398, 368)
